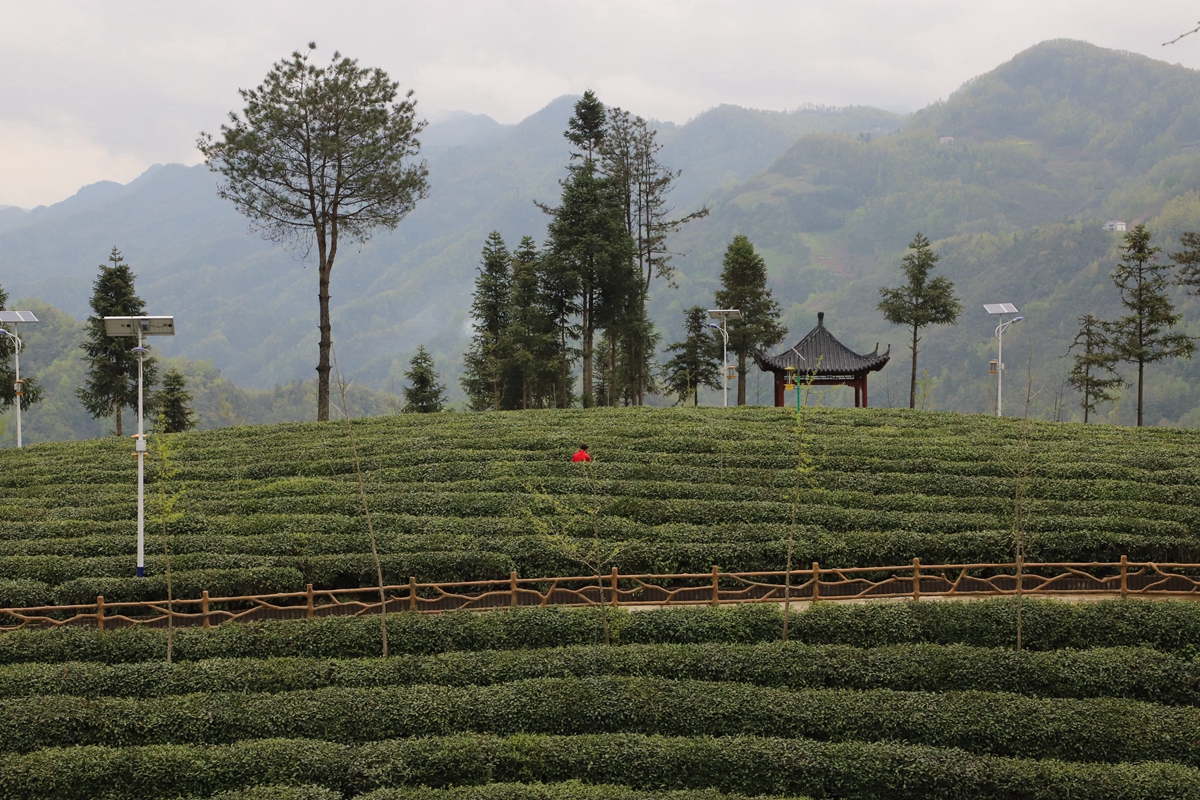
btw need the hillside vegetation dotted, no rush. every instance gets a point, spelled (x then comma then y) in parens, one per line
(475, 496)
(873, 701)
(1045, 149)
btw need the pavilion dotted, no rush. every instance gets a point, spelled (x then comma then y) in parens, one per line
(826, 361)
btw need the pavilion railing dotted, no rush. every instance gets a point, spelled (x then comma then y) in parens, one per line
(816, 583)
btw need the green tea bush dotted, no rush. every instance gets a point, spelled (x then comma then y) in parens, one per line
(568, 790)
(1100, 730)
(743, 765)
(1136, 673)
(1048, 625)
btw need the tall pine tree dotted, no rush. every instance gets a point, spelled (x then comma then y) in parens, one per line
(532, 332)
(112, 367)
(1144, 335)
(1092, 372)
(920, 302)
(744, 287)
(487, 378)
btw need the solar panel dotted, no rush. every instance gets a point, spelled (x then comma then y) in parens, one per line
(1000, 308)
(17, 316)
(150, 326)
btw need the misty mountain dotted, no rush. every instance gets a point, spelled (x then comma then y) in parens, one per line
(1012, 177)
(249, 306)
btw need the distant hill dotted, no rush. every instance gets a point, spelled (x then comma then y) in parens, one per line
(1012, 176)
(248, 306)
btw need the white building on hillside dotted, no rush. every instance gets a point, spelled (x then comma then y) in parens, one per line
(1114, 225)
(945, 140)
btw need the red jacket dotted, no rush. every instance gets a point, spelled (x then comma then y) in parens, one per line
(581, 455)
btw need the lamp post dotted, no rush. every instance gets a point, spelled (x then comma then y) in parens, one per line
(724, 314)
(1001, 309)
(140, 327)
(15, 318)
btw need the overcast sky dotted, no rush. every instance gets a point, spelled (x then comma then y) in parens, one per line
(101, 90)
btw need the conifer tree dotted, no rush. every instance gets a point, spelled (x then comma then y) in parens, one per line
(1144, 336)
(423, 395)
(532, 331)
(319, 155)
(921, 301)
(171, 404)
(1092, 372)
(488, 362)
(112, 367)
(32, 390)
(697, 359)
(744, 287)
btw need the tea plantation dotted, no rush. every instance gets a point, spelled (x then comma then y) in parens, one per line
(924, 700)
(475, 496)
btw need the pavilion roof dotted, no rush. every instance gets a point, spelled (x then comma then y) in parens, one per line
(822, 355)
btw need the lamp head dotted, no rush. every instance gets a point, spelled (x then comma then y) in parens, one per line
(139, 351)
(1017, 319)
(714, 326)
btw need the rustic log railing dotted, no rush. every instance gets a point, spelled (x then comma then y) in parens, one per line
(911, 581)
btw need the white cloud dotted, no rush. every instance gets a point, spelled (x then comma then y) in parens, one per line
(107, 85)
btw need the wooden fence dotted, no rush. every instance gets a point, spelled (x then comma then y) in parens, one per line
(911, 581)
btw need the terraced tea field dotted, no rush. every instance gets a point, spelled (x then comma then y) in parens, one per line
(887, 701)
(875, 701)
(476, 496)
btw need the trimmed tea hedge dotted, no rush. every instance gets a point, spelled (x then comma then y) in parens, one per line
(1136, 673)
(1101, 730)
(463, 497)
(744, 765)
(567, 790)
(1048, 625)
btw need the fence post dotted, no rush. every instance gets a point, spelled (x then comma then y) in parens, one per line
(100, 612)
(204, 606)
(309, 608)
(716, 598)
(916, 579)
(1124, 575)
(816, 582)
(412, 593)
(614, 587)
(512, 588)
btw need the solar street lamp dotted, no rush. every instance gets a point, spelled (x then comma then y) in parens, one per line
(1001, 309)
(724, 314)
(140, 327)
(15, 318)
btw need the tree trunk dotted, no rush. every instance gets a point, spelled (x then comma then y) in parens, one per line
(1141, 371)
(612, 368)
(741, 392)
(588, 397)
(324, 346)
(120, 432)
(912, 386)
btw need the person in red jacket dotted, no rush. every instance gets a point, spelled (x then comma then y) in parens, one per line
(581, 454)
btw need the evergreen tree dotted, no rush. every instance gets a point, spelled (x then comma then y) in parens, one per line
(697, 359)
(488, 362)
(920, 302)
(112, 366)
(31, 391)
(1143, 336)
(629, 159)
(318, 155)
(1188, 261)
(1092, 372)
(593, 252)
(171, 406)
(531, 334)
(423, 395)
(744, 287)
